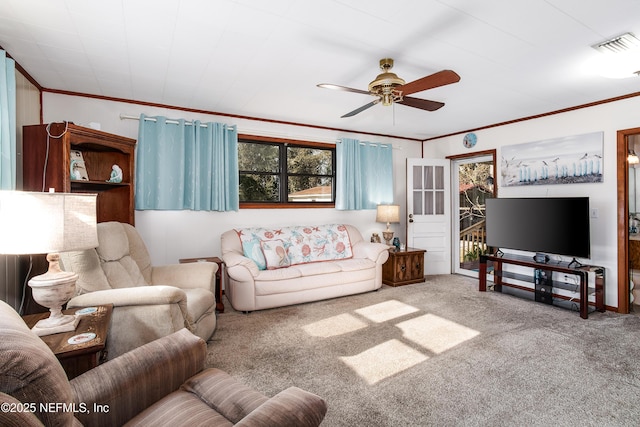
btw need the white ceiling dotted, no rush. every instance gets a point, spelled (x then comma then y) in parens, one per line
(263, 59)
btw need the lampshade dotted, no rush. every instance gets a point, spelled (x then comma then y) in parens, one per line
(388, 213)
(39, 223)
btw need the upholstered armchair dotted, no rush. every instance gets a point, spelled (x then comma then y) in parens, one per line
(162, 383)
(149, 301)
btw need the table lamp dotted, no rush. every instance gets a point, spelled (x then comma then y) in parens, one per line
(388, 214)
(39, 223)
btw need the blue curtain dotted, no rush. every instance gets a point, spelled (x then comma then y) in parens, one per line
(7, 122)
(364, 174)
(186, 166)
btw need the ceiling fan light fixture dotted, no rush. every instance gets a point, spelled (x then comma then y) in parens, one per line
(390, 80)
(385, 83)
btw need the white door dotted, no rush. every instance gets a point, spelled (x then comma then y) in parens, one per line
(429, 212)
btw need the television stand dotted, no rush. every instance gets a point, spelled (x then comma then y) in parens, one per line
(572, 268)
(576, 263)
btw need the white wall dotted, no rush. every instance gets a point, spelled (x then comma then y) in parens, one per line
(174, 235)
(186, 234)
(608, 118)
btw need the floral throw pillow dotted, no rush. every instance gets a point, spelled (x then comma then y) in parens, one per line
(318, 243)
(275, 254)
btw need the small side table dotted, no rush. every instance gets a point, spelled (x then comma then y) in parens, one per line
(217, 260)
(78, 358)
(404, 267)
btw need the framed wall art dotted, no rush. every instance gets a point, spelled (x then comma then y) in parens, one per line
(566, 160)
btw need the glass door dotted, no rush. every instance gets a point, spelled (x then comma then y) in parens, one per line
(473, 182)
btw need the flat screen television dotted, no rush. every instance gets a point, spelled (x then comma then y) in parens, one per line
(548, 225)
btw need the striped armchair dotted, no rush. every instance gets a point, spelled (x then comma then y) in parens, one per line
(162, 383)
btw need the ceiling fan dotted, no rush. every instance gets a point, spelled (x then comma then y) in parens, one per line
(389, 88)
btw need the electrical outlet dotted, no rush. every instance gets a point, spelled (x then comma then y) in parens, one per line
(594, 212)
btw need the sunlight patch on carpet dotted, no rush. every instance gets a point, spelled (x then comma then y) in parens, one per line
(387, 310)
(334, 326)
(435, 333)
(384, 361)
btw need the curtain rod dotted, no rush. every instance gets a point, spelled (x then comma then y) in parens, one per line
(170, 121)
(339, 141)
(373, 144)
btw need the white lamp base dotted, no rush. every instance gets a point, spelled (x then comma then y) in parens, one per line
(66, 323)
(52, 290)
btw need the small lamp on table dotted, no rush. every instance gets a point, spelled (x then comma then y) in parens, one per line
(39, 223)
(389, 214)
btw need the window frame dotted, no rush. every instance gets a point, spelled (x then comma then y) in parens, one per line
(283, 143)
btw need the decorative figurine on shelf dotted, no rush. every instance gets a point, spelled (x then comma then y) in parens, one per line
(396, 243)
(116, 174)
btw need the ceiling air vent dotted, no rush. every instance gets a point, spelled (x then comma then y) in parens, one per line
(622, 43)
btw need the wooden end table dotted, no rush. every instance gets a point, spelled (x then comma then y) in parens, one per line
(78, 358)
(217, 260)
(404, 267)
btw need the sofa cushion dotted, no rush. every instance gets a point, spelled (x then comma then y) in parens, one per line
(113, 250)
(318, 243)
(113, 242)
(355, 264)
(315, 268)
(199, 302)
(192, 412)
(30, 372)
(223, 393)
(92, 278)
(251, 249)
(279, 274)
(123, 273)
(275, 254)
(302, 244)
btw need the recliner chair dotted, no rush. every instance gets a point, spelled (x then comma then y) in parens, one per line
(162, 383)
(149, 301)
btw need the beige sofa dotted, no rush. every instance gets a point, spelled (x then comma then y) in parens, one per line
(273, 267)
(149, 301)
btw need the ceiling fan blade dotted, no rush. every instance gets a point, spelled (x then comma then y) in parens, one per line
(423, 104)
(344, 88)
(361, 109)
(441, 78)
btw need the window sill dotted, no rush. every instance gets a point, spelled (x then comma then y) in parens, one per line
(248, 205)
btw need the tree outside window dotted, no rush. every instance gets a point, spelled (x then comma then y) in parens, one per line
(286, 173)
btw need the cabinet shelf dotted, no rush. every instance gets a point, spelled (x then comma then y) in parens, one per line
(100, 152)
(581, 288)
(570, 287)
(96, 185)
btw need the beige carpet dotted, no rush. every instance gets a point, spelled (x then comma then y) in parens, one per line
(440, 353)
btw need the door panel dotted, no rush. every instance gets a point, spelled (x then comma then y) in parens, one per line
(429, 212)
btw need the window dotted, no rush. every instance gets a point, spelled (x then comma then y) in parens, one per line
(285, 172)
